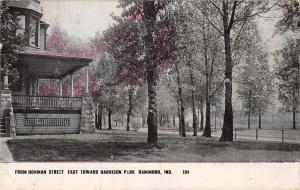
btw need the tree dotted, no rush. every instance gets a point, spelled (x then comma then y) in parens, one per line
(150, 12)
(229, 19)
(108, 95)
(12, 40)
(255, 83)
(290, 16)
(57, 40)
(288, 71)
(122, 41)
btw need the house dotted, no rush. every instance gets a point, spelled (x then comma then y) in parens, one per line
(23, 111)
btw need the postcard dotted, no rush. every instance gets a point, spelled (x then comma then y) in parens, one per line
(149, 94)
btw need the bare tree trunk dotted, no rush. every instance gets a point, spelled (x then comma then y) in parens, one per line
(143, 119)
(96, 116)
(249, 111)
(109, 119)
(174, 121)
(104, 120)
(294, 119)
(179, 117)
(202, 117)
(96, 120)
(122, 119)
(161, 124)
(207, 129)
(150, 19)
(99, 117)
(259, 121)
(180, 101)
(130, 93)
(227, 132)
(193, 99)
(294, 107)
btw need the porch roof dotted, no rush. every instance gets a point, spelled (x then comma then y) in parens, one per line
(43, 64)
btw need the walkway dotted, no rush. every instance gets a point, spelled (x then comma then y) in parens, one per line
(5, 155)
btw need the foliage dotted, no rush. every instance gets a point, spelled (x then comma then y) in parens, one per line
(11, 40)
(291, 16)
(288, 75)
(60, 43)
(255, 82)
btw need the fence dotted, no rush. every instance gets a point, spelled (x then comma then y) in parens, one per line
(283, 135)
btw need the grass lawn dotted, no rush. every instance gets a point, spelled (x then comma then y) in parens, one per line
(122, 146)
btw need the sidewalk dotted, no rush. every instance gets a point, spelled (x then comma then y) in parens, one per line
(5, 155)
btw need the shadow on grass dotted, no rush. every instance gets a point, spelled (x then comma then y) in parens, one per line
(40, 150)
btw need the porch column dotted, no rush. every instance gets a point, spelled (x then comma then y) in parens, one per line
(72, 85)
(86, 80)
(35, 86)
(31, 87)
(60, 87)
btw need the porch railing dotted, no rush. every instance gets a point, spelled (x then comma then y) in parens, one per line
(46, 102)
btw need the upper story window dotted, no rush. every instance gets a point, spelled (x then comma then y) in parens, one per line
(22, 24)
(34, 32)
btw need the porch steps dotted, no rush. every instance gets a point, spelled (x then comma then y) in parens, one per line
(2, 128)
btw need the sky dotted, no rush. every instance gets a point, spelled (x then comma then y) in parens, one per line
(84, 18)
(80, 18)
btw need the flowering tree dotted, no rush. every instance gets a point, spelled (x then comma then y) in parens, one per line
(59, 42)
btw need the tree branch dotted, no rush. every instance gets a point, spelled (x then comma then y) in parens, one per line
(211, 23)
(217, 88)
(217, 7)
(232, 15)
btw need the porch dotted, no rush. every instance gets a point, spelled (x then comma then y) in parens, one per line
(29, 113)
(26, 103)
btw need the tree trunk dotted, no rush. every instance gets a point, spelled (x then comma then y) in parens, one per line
(130, 94)
(109, 119)
(161, 120)
(202, 117)
(259, 121)
(96, 120)
(99, 117)
(104, 120)
(215, 122)
(249, 111)
(294, 119)
(193, 99)
(143, 119)
(179, 117)
(227, 132)
(207, 129)
(150, 19)
(96, 115)
(174, 121)
(180, 101)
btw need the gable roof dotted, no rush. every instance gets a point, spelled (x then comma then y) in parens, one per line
(34, 5)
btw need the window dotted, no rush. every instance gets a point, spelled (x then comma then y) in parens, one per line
(22, 25)
(34, 31)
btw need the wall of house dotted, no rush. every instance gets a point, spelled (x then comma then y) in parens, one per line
(42, 39)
